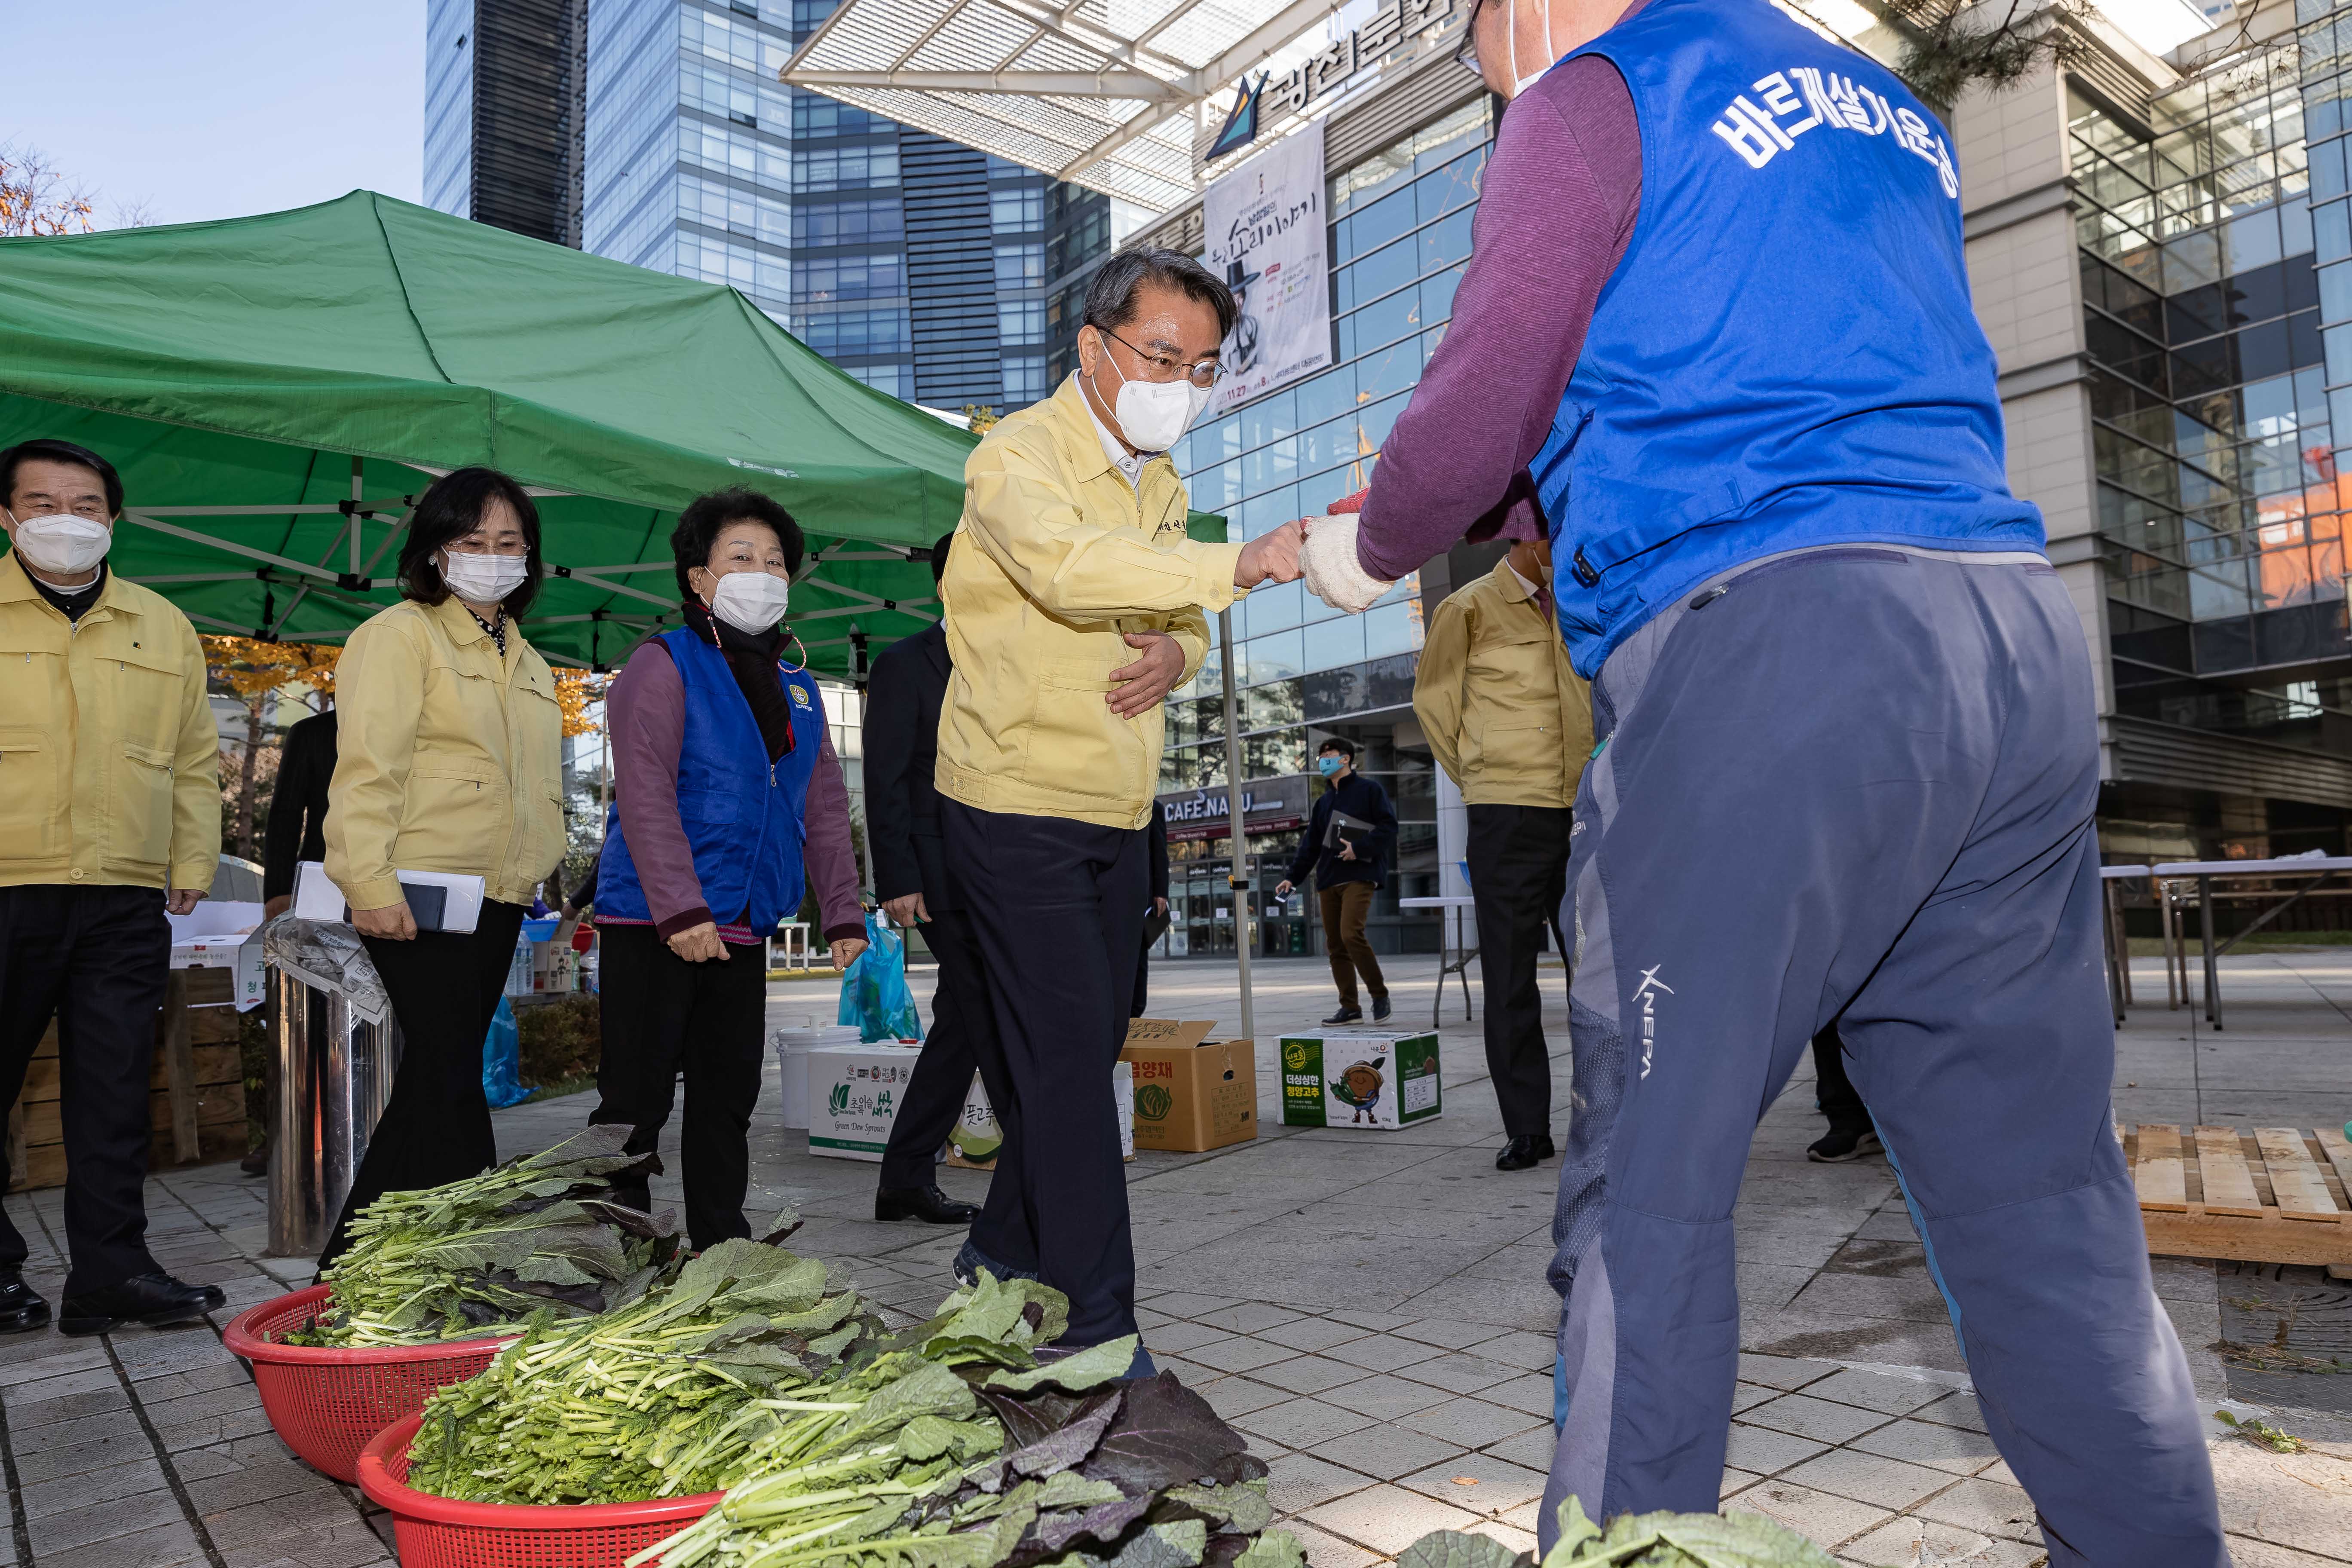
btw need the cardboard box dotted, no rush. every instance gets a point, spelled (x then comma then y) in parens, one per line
(554, 967)
(976, 1137)
(854, 1095)
(1192, 1092)
(1360, 1080)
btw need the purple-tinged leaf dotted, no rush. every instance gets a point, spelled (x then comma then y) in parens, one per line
(1167, 1434)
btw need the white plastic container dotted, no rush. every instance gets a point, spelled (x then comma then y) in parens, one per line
(793, 1047)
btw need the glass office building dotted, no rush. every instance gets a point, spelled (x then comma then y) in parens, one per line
(2216, 259)
(1399, 232)
(503, 113)
(918, 266)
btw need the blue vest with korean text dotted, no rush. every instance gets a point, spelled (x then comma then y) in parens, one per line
(745, 817)
(1787, 354)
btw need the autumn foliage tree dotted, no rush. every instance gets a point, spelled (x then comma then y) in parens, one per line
(36, 199)
(575, 691)
(255, 672)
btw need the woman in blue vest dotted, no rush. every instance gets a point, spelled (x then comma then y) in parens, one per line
(728, 804)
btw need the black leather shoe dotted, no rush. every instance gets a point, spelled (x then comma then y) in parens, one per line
(1525, 1150)
(928, 1205)
(21, 1309)
(1380, 1008)
(1345, 1015)
(152, 1300)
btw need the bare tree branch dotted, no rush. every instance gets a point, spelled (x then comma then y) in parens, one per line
(34, 198)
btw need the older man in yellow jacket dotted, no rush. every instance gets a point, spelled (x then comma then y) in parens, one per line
(1073, 608)
(109, 814)
(1511, 724)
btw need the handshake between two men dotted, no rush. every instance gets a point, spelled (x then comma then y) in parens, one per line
(1321, 549)
(1136, 688)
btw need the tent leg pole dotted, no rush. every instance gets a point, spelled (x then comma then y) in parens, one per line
(358, 495)
(1240, 884)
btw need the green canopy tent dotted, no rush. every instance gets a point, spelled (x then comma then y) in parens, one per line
(278, 389)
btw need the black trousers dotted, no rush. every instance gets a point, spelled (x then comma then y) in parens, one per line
(963, 1040)
(1518, 873)
(662, 1016)
(1060, 917)
(445, 988)
(96, 959)
(1841, 1102)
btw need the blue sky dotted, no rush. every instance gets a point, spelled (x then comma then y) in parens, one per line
(206, 108)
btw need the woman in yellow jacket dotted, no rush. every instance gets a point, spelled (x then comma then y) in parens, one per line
(449, 759)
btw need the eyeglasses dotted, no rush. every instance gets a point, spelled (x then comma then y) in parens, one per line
(1465, 52)
(93, 507)
(1203, 372)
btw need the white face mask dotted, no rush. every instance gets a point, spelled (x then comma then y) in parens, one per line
(749, 601)
(1520, 84)
(1154, 414)
(482, 579)
(63, 542)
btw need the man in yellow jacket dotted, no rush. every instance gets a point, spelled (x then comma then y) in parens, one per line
(1075, 605)
(1511, 724)
(109, 814)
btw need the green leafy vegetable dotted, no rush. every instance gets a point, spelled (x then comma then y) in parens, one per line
(668, 1397)
(1080, 1469)
(1673, 1540)
(535, 1237)
(2271, 1437)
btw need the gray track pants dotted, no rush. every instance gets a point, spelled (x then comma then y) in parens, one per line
(1858, 783)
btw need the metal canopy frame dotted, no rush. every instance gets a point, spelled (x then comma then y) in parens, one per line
(1099, 92)
(348, 581)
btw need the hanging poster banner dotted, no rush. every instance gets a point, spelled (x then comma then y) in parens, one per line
(1264, 225)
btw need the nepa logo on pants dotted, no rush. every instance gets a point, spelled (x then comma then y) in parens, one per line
(1647, 994)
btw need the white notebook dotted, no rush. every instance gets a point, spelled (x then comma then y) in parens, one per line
(317, 899)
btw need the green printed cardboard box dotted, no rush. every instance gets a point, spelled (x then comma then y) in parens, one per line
(1359, 1080)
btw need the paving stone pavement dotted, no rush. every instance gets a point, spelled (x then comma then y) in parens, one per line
(1369, 1308)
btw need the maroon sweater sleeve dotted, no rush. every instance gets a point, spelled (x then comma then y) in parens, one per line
(644, 712)
(831, 858)
(1555, 210)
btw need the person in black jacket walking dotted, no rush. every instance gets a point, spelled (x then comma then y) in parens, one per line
(1349, 859)
(912, 879)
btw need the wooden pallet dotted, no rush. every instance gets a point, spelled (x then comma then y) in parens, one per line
(2273, 1196)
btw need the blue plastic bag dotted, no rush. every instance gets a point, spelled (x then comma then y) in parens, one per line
(874, 993)
(502, 1059)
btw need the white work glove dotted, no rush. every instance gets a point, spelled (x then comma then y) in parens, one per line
(1329, 565)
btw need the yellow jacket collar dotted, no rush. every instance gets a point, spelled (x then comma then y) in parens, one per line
(1074, 431)
(459, 622)
(16, 586)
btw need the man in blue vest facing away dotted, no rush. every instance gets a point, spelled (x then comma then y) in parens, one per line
(1715, 339)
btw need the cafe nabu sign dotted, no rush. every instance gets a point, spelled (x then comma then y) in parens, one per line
(1326, 70)
(1268, 805)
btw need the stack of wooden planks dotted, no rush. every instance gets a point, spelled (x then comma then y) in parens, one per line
(2272, 1196)
(196, 1092)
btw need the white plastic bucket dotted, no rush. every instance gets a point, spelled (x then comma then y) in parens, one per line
(793, 1047)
